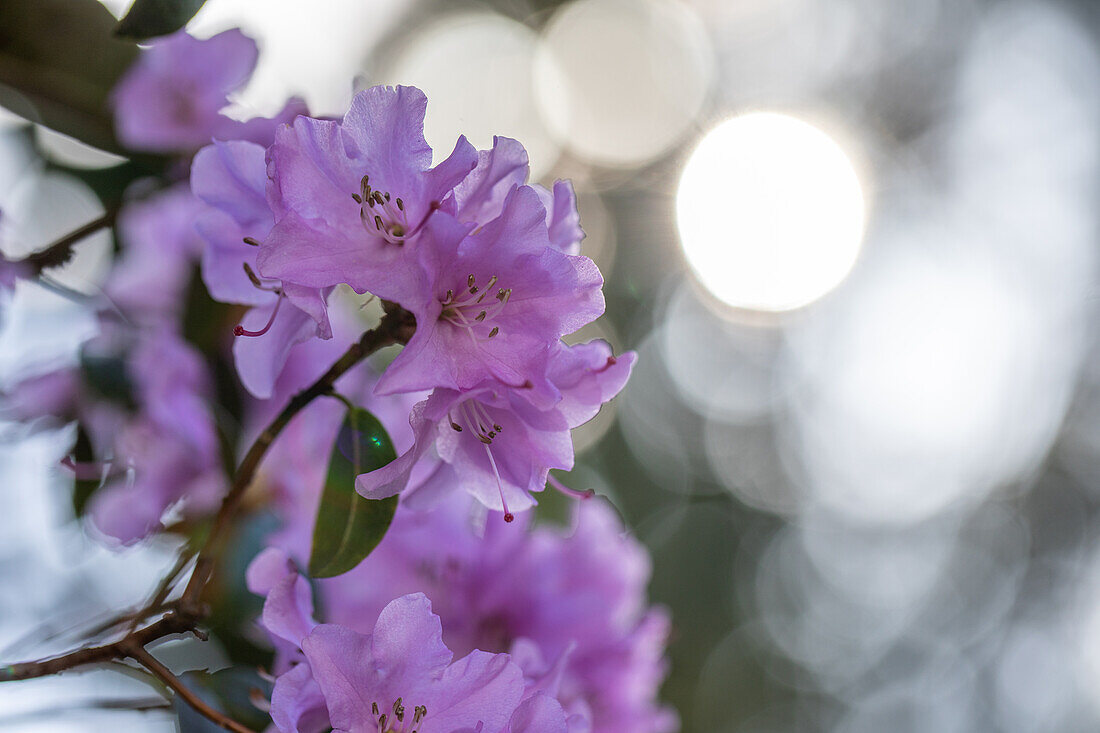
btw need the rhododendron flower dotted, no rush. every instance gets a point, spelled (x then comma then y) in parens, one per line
(159, 246)
(495, 304)
(171, 98)
(350, 197)
(568, 605)
(399, 678)
(230, 177)
(500, 445)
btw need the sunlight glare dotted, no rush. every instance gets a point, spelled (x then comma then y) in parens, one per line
(770, 212)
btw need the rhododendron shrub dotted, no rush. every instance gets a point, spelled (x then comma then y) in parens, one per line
(260, 265)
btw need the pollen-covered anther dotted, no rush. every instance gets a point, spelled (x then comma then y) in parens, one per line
(394, 720)
(383, 214)
(468, 309)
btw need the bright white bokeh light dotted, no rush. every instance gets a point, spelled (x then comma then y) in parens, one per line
(312, 50)
(935, 381)
(451, 59)
(621, 81)
(770, 212)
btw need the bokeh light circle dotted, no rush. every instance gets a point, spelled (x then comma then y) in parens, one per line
(622, 81)
(770, 212)
(450, 60)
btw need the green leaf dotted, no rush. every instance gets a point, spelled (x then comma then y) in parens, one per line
(83, 488)
(59, 61)
(150, 18)
(349, 526)
(230, 691)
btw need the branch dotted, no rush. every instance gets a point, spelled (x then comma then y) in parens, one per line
(172, 623)
(397, 326)
(165, 675)
(61, 251)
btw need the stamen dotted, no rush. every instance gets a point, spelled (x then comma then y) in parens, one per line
(574, 493)
(494, 332)
(357, 197)
(251, 242)
(508, 516)
(242, 331)
(252, 275)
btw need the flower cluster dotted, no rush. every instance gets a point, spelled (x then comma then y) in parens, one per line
(567, 605)
(552, 625)
(487, 264)
(140, 393)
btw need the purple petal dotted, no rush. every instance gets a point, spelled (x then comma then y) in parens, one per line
(259, 359)
(479, 688)
(314, 173)
(288, 610)
(344, 671)
(539, 714)
(169, 99)
(563, 220)
(588, 376)
(407, 645)
(481, 196)
(394, 476)
(232, 176)
(297, 705)
(387, 124)
(266, 570)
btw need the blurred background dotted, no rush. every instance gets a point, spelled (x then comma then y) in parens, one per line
(855, 244)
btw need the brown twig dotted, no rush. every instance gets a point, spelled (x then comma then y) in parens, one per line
(396, 326)
(147, 660)
(61, 251)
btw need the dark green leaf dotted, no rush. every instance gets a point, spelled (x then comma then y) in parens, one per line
(348, 526)
(230, 691)
(59, 61)
(149, 18)
(105, 375)
(83, 488)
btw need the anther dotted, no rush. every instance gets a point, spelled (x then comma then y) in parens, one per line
(480, 316)
(373, 705)
(494, 332)
(457, 428)
(357, 197)
(252, 275)
(470, 280)
(251, 242)
(400, 204)
(378, 222)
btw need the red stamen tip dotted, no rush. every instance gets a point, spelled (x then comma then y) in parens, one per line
(238, 330)
(612, 360)
(587, 494)
(509, 517)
